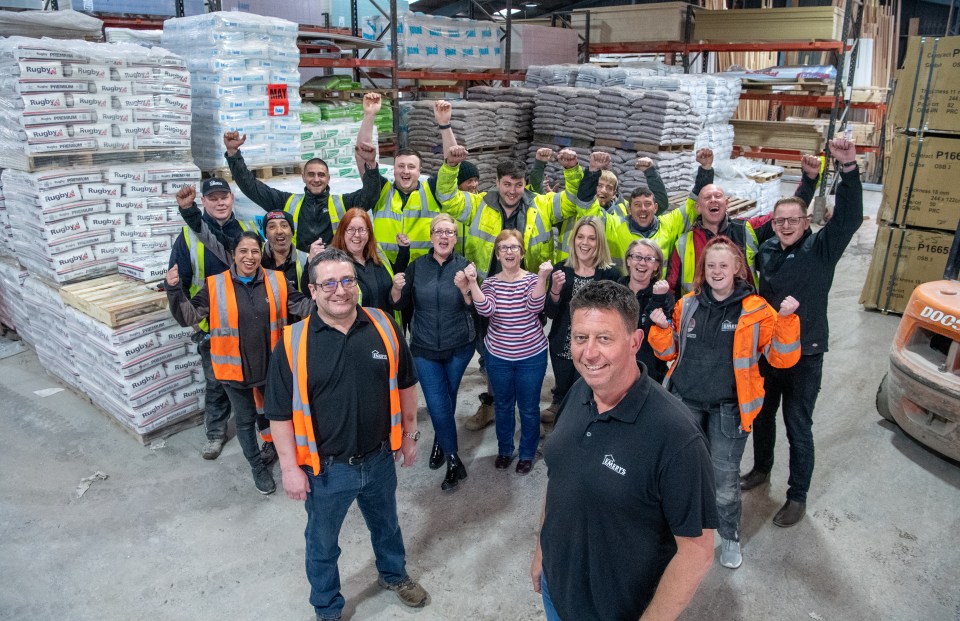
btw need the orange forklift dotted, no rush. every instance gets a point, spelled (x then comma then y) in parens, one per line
(921, 390)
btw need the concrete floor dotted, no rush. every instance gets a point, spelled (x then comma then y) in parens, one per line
(171, 536)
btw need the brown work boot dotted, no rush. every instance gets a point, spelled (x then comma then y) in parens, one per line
(484, 416)
(549, 415)
(408, 590)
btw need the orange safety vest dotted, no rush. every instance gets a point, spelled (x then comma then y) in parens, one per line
(760, 330)
(295, 343)
(225, 323)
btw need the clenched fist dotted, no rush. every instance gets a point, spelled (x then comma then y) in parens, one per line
(659, 318)
(567, 158)
(705, 158)
(644, 163)
(810, 165)
(316, 248)
(788, 306)
(660, 287)
(185, 196)
(455, 155)
(559, 279)
(442, 112)
(371, 104)
(599, 161)
(399, 281)
(233, 141)
(172, 278)
(545, 154)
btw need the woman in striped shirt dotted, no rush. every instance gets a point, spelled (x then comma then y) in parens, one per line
(516, 345)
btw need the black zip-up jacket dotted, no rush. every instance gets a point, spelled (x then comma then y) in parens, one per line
(559, 311)
(442, 320)
(313, 223)
(805, 270)
(253, 315)
(212, 264)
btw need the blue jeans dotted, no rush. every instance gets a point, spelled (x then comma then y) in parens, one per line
(517, 383)
(373, 484)
(798, 388)
(440, 381)
(726, 441)
(548, 608)
(216, 410)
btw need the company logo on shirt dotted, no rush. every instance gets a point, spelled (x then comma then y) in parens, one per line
(728, 326)
(377, 355)
(691, 327)
(610, 463)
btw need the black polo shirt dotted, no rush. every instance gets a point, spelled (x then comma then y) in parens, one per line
(621, 486)
(348, 382)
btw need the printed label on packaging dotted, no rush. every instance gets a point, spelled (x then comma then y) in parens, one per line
(174, 172)
(64, 228)
(59, 196)
(113, 249)
(96, 129)
(22, 53)
(89, 238)
(89, 72)
(135, 73)
(72, 210)
(108, 87)
(27, 85)
(131, 234)
(177, 130)
(31, 119)
(175, 335)
(161, 142)
(146, 246)
(187, 363)
(136, 347)
(45, 102)
(175, 102)
(168, 229)
(190, 393)
(60, 146)
(153, 114)
(157, 357)
(47, 132)
(54, 179)
(135, 129)
(106, 221)
(142, 189)
(172, 187)
(100, 102)
(101, 191)
(41, 70)
(126, 174)
(147, 217)
(127, 205)
(167, 385)
(146, 274)
(160, 88)
(175, 75)
(133, 101)
(162, 202)
(72, 258)
(116, 144)
(115, 116)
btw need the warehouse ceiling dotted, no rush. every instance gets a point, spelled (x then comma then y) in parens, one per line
(482, 8)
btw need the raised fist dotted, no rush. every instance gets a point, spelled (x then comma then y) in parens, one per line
(367, 152)
(316, 248)
(545, 154)
(659, 318)
(403, 240)
(843, 149)
(544, 271)
(660, 287)
(644, 163)
(442, 112)
(810, 164)
(399, 281)
(599, 161)
(567, 158)
(185, 196)
(455, 155)
(460, 280)
(470, 272)
(705, 158)
(172, 278)
(233, 141)
(371, 104)
(788, 306)
(559, 279)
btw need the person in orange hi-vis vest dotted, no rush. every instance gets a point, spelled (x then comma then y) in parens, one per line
(342, 402)
(247, 307)
(717, 336)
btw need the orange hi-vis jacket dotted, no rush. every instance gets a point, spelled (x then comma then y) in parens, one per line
(760, 330)
(295, 343)
(225, 325)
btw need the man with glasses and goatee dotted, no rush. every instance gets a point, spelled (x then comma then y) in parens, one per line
(801, 263)
(342, 396)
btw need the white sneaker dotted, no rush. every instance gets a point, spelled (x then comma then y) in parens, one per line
(730, 553)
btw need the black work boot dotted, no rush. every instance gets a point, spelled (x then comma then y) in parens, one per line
(456, 472)
(436, 455)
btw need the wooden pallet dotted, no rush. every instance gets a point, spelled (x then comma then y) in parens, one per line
(764, 177)
(31, 163)
(183, 424)
(798, 87)
(639, 146)
(260, 172)
(114, 300)
(562, 141)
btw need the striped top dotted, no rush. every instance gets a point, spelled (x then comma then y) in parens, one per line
(515, 331)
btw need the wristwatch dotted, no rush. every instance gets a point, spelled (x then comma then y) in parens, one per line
(413, 436)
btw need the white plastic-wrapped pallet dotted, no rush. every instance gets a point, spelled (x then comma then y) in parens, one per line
(142, 373)
(6, 231)
(12, 276)
(434, 42)
(63, 99)
(334, 143)
(45, 328)
(76, 223)
(233, 58)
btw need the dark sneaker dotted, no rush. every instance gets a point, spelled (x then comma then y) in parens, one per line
(268, 453)
(212, 449)
(790, 513)
(408, 591)
(263, 479)
(753, 479)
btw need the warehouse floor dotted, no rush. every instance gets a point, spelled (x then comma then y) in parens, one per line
(170, 536)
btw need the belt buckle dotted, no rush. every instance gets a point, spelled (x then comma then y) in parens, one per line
(354, 460)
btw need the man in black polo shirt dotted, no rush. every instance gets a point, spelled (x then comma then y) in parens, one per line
(336, 440)
(627, 527)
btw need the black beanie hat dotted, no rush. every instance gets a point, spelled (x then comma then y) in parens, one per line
(468, 170)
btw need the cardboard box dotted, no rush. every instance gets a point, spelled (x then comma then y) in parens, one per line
(942, 114)
(931, 197)
(903, 259)
(780, 24)
(542, 45)
(662, 21)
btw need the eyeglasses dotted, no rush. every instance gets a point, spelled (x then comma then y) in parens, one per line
(794, 221)
(643, 259)
(509, 248)
(444, 233)
(330, 286)
(363, 232)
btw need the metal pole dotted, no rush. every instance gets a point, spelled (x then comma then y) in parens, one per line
(506, 53)
(394, 80)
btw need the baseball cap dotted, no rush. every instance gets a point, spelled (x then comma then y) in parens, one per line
(215, 184)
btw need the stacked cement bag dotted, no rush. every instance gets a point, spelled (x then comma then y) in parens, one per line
(6, 231)
(476, 125)
(551, 75)
(45, 327)
(71, 98)
(677, 168)
(566, 111)
(647, 117)
(76, 223)
(232, 58)
(524, 98)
